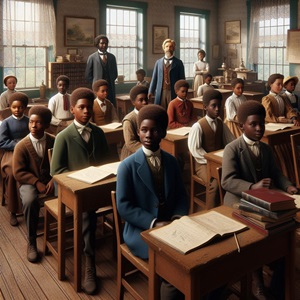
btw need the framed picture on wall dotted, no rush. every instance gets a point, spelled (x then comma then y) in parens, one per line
(232, 32)
(160, 33)
(292, 48)
(79, 31)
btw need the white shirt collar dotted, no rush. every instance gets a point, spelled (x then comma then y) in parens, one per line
(18, 118)
(149, 152)
(35, 140)
(248, 141)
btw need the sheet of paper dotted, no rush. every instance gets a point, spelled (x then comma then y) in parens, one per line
(277, 126)
(180, 131)
(219, 153)
(113, 125)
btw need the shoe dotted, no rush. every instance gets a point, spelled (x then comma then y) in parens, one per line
(90, 279)
(32, 252)
(13, 219)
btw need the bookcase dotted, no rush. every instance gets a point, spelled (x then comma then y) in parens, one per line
(74, 70)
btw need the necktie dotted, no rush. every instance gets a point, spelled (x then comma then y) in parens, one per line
(102, 104)
(155, 161)
(255, 148)
(167, 63)
(104, 58)
(85, 132)
(39, 149)
(66, 102)
(214, 125)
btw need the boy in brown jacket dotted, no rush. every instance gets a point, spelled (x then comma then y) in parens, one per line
(31, 169)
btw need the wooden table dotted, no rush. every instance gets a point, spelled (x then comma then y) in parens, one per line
(250, 95)
(79, 197)
(113, 136)
(203, 270)
(174, 144)
(124, 105)
(273, 135)
(213, 162)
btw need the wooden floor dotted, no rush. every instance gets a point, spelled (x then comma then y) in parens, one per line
(20, 279)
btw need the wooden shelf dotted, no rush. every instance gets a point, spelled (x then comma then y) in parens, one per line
(75, 71)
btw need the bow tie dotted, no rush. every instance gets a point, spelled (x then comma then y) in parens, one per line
(102, 104)
(81, 129)
(155, 160)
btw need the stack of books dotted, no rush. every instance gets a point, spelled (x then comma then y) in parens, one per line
(269, 211)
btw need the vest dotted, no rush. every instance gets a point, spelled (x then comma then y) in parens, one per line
(100, 117)
(166, 82)
(257, 164)
(211, 141)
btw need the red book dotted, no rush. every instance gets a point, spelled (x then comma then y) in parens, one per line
(272, 200)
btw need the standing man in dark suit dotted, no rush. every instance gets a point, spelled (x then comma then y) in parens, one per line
(102, 65)
(167, 71)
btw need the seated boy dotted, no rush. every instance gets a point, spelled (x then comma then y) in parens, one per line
(10, 82)
(139, 98)
(150, 190)
(59, 105)
(181, 110)
(250, 164)
(206, 86)
(289, 83)
(104, 111)
(140, 76)
(31, 169)
(78, 146)
(12, 130)
(207, 135)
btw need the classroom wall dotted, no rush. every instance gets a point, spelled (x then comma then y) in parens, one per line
(160, 12)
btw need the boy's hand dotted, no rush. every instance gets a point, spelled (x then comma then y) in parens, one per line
(50, 187)
(264, 183)
(296, 122)
(40, 187)
(292, 190)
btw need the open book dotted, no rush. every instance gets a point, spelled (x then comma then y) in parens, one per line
(277, 126)
(190, 232)
(113, 125)
(180, 131)
(93, 174)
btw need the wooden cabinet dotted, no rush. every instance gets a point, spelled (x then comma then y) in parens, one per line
(75, 71)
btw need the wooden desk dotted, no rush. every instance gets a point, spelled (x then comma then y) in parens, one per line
(174, 144)
(113, 136)
(195, 274)
(269, 136)
(250, 95)
(124, 105)
(79, 197)
(247, 75)
(213, 162)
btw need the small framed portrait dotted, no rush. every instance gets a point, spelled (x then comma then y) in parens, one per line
(160, 33)
(233, 32)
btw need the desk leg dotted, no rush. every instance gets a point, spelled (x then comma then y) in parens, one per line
(77, 246)
(61, 236)
(153, 280)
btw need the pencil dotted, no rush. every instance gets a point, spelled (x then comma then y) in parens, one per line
(237, 243)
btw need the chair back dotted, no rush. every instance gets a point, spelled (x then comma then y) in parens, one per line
(295, 143)
(117, 220)
(50, 151)
(282, 150)
(5, 113)
(221, 190)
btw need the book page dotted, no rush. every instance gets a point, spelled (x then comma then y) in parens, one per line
(180, 131)
(219, 153)
(113, 125)
(93, 174)
(277, 126)
(183, 234)
(218, 223)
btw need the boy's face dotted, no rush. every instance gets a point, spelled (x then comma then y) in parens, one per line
(213, 109)
(102, 92)
(11, 83)
(17, 108)
(208, 80)
(290, 85)
(182, 92)
(37, 126)
(62, 86)
(254, 127)
(151, 134)
(82, 111)
(140, 77)
(140, 101)
(238, 89)
(103, 45)
(276, 86)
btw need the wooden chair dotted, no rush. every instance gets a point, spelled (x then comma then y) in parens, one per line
(51, 217)
(221, 190)
(127, 262)
(295, 143)
(282, 149)
(198, 188)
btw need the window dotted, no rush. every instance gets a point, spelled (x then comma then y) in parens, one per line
(28, 32)
(268, 35)
(192, 37)
(125, 30)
